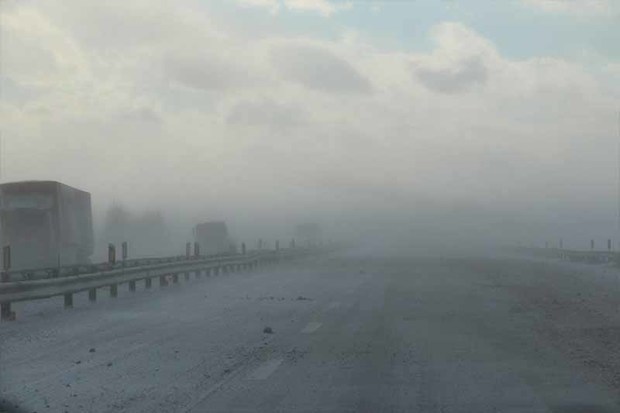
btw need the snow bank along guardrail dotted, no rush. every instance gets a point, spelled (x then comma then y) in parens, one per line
(15, 288)
(592, 257)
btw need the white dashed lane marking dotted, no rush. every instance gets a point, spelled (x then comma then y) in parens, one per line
(265, 370)
(311, 327)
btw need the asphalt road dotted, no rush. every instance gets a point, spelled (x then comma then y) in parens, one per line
(343, 333)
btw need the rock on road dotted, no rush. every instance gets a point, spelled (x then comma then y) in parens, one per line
(344, 333)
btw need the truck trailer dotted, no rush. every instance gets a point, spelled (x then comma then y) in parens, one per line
(46, 224)
(213, 238)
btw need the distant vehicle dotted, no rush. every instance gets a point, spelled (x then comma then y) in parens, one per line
(46, 224)
(213, 238)
(309, 234)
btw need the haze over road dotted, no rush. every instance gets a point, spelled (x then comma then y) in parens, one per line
(350, 334)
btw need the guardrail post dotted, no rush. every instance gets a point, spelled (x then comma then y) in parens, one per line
(132, 286)
(243, 248)
(148, 282)
(6, 261)
(69, 300)
(92, 295)
(111, 254)
(196, 249)
(592, 245)
(175, 278)
(125, 251)
(113, 290)
(5, 308)
(163, 282)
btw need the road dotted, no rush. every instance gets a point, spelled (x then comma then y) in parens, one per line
(344, 333)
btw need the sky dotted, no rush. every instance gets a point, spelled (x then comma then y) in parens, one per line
(488, 117)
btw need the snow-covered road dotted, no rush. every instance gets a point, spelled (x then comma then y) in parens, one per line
(333, 334)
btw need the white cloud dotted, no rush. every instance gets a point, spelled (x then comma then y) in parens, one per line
(227, 119)
(323, 7)
(577, 7)
(317, 68)
(272, 5)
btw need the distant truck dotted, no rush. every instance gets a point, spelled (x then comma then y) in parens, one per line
(213, 238)
(46, 224)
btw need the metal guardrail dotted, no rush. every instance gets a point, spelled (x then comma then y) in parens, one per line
(592, 257)
(166, 269)
(81, 269)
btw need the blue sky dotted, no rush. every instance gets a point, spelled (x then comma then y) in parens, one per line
(518, 29)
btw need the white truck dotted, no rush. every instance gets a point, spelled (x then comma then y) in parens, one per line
(46, 224)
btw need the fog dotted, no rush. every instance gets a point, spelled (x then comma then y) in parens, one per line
(266, 114)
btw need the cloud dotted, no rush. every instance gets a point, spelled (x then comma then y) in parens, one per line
(207, 73)
(454, 79)
(577, 7)
(237, 122)
(460, 61)
(272, 5)
(325, 8)
(143, 115)
(264, 112)
(317, 68)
